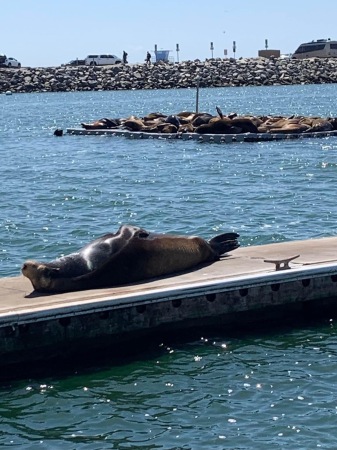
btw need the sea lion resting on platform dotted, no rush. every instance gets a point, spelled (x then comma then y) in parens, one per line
(205, 123)
(132, 254)
(101, 124)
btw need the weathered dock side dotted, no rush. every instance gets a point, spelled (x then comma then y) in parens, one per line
(215, 138)
(240, 288)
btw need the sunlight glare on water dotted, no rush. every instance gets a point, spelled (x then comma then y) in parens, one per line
(267, 389)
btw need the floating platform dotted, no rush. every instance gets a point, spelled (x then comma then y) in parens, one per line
(251, 285)
(216, 138)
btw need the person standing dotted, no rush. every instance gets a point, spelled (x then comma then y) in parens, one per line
(148, 58)
(125, 55)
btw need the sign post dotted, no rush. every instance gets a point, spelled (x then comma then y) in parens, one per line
(212, 48)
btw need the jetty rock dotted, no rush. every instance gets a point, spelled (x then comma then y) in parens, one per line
(210, 73)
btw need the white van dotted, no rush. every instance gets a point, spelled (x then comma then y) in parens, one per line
(322, 48)
(102, 60)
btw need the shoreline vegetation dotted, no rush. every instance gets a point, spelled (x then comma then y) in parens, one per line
(210, 73)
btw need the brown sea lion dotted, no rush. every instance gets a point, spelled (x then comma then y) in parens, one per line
(100, 124)
(202, 119)
(246, 125)
(130, 255)
(319, 124)
(133, 124)
(187, 128)
(217, 126)
(167, 128)
(153, 116)
(185, 114)
(291, 128)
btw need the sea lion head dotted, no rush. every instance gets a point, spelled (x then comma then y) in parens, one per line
(41, 275)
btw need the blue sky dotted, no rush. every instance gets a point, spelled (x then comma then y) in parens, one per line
(42, 33)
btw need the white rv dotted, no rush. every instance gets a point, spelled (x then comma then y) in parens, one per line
(322, 48)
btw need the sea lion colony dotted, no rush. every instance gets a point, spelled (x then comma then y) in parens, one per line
(205, 123)
(130, 255)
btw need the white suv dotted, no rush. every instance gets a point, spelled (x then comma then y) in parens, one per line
(102, 60)
(11, 62)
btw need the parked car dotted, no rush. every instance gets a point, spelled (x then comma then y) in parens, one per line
(11, 62)
(102, 60)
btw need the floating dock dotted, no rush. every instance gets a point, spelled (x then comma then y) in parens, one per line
(215, 138)
(240, 288)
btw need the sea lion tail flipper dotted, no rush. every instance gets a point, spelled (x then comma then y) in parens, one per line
(224, 243)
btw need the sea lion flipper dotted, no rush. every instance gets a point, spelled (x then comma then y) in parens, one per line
(224, 243)
(219, 112)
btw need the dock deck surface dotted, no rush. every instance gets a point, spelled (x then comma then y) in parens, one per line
(36, 329)
(18, 298)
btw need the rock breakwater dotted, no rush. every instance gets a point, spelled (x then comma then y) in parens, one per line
(211, 73)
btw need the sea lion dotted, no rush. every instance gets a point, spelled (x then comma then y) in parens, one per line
(100, 124)
(188, 128)
(133, 124)
(319, 125)
(174, 120)
(132, 254)
(246, 125)
(333, 121)
(166, 128)
(216, 126)
(153, 116)
(201, 120)
(291, 128)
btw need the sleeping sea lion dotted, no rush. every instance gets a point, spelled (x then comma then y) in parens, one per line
(133, 124)
(216, 126)
(132, 254)
(246, 125)
(166, 128)
(320, 125)
(201, 120)
(153, 116)
(100, 124)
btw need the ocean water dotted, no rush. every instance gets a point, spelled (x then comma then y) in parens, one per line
(274, 387)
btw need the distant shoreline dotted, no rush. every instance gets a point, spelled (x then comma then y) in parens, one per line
(210, 73)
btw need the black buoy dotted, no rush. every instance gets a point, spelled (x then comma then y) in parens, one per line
(58, 132)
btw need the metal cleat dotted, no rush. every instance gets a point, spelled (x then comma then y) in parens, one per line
(281, 264)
